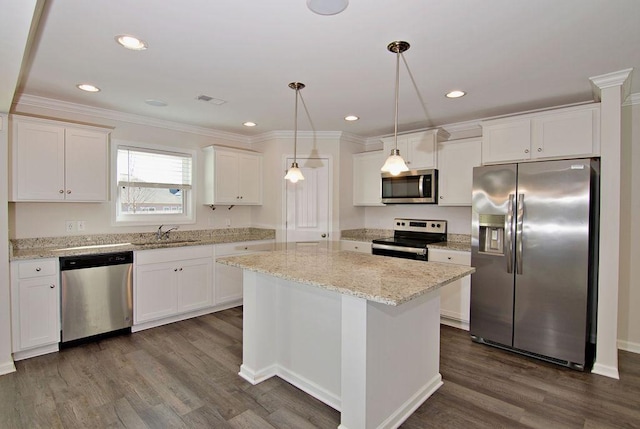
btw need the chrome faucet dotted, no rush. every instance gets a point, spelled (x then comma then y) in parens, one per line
(161, 235)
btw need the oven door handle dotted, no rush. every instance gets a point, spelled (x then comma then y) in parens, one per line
(416, 250)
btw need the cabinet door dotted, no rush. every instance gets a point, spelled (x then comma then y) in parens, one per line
(367, 180)
(570, 134)
(155, 292)
(39, 161)
(38, 312)
(506, 141)
(194, 284)
(228, 283)
(456, 160)
(455, 298)
(86, 161)
(421, 150)
(249, 179)
(226, 177)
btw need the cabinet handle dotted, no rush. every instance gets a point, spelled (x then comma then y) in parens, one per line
(539, 149)
(175, 269)
(61, 191)
(68, 192)
(449, 257)
(441, 197)
(526, 151)
(246, 247)
(38, 269)
(52, 286)
(180, 269)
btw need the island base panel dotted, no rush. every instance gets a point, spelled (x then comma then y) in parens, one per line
(373, 362)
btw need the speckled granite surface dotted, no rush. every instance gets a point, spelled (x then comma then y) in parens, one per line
(390, 281)
(53, 247)
(459, 242)
(365, 234)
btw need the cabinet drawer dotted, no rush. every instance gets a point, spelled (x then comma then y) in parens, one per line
(355, 246)
(45, 267)
(450, 257)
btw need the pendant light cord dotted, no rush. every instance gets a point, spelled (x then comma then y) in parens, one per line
(395, 129)
(295, 128)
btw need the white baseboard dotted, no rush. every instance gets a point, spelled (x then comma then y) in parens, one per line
(454, 323)
(628, 346)
(605, 370)
(164, 321)
(7, 367)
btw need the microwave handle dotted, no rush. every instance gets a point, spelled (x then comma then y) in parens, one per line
(421, 186)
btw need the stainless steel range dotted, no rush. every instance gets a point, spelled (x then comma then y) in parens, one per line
(410, 238)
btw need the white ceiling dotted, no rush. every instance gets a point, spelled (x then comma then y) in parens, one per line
(509, 55)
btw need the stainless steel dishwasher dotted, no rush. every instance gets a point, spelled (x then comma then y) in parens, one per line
(97, 295)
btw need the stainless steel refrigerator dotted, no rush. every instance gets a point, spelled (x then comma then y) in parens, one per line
(534, 246)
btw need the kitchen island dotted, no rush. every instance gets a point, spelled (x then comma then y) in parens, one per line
(359, 332)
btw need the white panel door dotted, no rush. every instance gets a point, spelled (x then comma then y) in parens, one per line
(308, 203)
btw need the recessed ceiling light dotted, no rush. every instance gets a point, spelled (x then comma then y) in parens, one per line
(249, 124)
(351, 118)
(87, 87)
(155, 103)
(455, 94)
(327, 7)
(131, 42)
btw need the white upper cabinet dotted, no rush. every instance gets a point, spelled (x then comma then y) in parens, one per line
(417, 149)
(232, 176)
(56, 161)
(571, 132)
(456, 160)
(367, 179)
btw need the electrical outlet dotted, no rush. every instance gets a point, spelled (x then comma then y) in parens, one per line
(228, 222)
(69, 225)
(81, 225)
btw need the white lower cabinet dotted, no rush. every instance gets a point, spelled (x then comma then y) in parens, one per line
(455, 298)
(356, 246)
(228, 279)
(172, 282)
(35, 304)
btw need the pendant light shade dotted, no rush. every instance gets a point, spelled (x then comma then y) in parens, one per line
(294, 174)
(394, 163)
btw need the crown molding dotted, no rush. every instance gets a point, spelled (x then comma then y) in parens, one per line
(632, 99)
(80, 109)
(610, 80)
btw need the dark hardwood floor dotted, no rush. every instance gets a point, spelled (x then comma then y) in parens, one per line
(185, 375)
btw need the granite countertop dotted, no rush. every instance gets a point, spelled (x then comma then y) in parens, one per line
(458, 242)
(54, 247)
(390, 281)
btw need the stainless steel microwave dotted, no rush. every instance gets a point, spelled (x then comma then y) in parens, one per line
(410, 187)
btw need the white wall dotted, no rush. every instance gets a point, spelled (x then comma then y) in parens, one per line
(629, 290)
(458, 218)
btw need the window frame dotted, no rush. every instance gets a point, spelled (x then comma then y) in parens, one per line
(159, 217)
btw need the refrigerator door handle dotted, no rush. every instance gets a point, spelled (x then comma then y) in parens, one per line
(508, 227)
(519, 221)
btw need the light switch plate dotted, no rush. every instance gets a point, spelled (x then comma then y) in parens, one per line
(69, 225)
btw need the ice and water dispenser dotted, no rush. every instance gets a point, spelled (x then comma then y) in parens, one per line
(491, 234)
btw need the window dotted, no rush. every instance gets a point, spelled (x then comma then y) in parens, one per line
(154, 186)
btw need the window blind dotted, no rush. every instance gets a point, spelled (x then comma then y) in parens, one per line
(153, 169)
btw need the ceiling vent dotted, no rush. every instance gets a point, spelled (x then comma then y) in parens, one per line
(211, 100)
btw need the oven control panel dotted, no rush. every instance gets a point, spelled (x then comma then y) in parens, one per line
(421, 225)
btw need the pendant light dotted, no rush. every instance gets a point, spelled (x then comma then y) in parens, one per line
(294, 174)
(394, 163)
